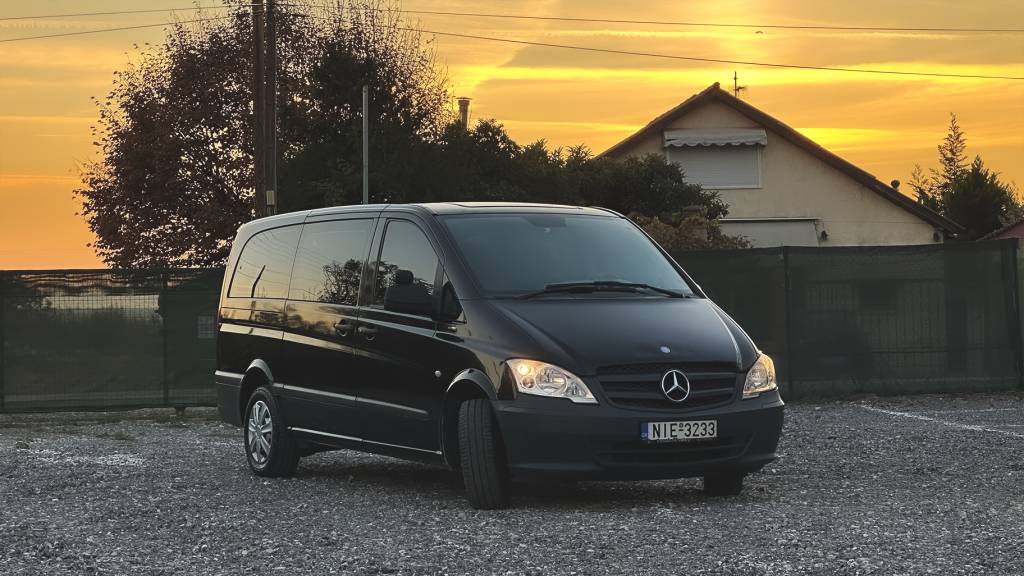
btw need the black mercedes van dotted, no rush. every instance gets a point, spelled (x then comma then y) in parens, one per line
(507, 341)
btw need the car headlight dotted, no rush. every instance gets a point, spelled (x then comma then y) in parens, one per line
(542, 379)
(760, 377)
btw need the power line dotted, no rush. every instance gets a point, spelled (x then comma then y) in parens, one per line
(707, 24)
(573, 47)
(96, 31)
(567, 19)
(711, 60)
(715, 60)
(117, 13)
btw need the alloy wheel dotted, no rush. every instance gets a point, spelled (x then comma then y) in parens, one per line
(260, 428)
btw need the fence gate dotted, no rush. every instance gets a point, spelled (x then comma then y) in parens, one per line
(93, 339)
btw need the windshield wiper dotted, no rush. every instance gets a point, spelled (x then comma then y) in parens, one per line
(602, 286)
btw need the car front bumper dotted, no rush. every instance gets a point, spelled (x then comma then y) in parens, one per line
(555, 437)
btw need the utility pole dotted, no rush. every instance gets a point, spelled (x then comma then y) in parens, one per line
(736, 88)
(259, 154)
(271, 103)
(366, 144)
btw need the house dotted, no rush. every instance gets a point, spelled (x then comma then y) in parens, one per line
(782, 188)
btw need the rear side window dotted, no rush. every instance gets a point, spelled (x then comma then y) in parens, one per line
(406, 259)
(329, 262)
(265, 264)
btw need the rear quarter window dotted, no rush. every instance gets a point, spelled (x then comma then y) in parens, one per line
(265, 264)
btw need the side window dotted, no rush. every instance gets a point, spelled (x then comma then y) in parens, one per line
(329, 262)
(407, 269)
(265, 264)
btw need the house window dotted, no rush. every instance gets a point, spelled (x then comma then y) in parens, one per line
(718, 157)
(719, 166)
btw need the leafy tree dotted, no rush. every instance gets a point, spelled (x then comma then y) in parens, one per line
(646, 185)
(688, 231)
(174, 134)
(487, 164)
(970, 195)
(952, 154)
(409, 106)
(341, 282)
(979, 201)
(175, 178)
(952, 161)
(924, 189)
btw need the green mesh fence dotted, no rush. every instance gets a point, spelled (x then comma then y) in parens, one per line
(883, 320)
(751, 286)
(838, 321)
(106, 339)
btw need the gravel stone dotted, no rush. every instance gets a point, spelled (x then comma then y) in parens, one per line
(912, 485)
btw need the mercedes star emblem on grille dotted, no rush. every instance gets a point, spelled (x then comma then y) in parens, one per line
(675, 385)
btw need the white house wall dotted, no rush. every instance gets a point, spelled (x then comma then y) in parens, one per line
(795, 184)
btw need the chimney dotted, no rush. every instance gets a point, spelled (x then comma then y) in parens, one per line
(463, 111)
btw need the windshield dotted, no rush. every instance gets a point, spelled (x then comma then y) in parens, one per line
(517, 254)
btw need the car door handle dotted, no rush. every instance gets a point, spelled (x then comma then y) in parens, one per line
(344, 327)
(368, 332)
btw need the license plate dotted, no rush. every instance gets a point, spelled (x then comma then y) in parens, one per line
(679, 431)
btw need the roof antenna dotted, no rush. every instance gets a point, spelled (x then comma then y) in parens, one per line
(736, 88)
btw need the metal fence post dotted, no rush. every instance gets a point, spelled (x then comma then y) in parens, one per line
(788, 312)
(3, 341)
(1018, 336)
(163, 337)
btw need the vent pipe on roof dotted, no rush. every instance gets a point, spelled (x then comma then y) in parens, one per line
(464, 111)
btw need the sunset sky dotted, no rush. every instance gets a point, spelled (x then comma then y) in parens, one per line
(885, 124)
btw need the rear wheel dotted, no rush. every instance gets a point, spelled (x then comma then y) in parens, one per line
(269, 448)
(484, 472)
(723, 484)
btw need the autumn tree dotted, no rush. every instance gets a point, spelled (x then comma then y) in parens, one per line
(175, 175)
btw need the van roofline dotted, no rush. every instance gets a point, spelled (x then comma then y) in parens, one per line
(436, 208)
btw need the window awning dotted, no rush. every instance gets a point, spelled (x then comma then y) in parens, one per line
(716, 137)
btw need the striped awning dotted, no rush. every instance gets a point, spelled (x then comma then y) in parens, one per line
(716, 137)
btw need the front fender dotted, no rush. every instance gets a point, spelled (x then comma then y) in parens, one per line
(477, 379)
(470, 383)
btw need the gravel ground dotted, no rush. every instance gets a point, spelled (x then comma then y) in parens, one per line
(922, 485)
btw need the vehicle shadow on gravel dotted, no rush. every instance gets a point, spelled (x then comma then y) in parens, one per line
(611, 496)
(386, 477)
(381, 472)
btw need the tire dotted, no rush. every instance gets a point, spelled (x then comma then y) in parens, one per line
(278, 456)
(723, 484)
(484, 472)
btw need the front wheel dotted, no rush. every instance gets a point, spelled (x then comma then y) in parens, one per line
(269, 447)
(484, 471)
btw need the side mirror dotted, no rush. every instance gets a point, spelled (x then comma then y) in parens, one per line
(451, 310)
(407, 296)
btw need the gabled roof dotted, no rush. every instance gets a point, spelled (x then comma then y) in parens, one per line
(998, 232)
(714, 93)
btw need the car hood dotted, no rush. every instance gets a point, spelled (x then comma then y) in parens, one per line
(592, 332)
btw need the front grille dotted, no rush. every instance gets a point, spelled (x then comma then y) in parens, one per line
(638, 386)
